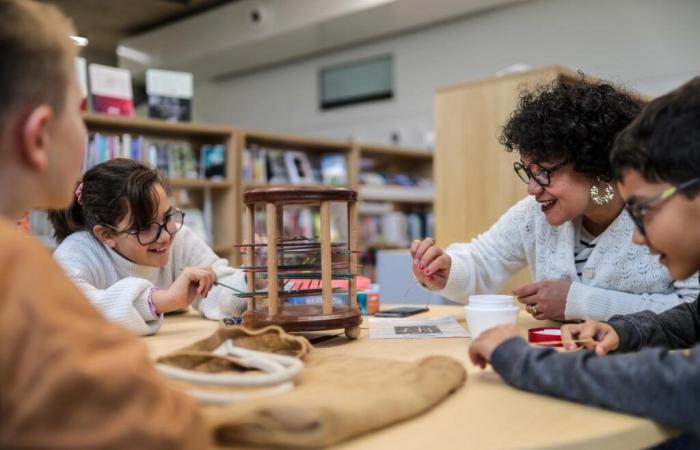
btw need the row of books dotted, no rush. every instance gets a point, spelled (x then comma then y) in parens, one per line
(175, 159)
(278, 166)
(395, 228)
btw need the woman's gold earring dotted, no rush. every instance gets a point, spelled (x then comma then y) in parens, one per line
(606, 197)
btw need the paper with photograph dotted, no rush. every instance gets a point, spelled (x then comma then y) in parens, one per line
(414, 328)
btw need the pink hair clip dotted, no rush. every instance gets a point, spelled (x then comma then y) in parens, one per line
(79, 193)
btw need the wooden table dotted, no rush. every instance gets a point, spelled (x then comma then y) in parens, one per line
(485, 414)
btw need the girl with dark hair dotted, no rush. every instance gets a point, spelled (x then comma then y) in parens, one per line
(126, 247)
(571, 230)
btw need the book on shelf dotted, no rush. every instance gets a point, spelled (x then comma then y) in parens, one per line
(160, 157)
(277, 167)
(213, 162)
(111, 90)
(299, 168)
(260, 169)
(183, 161)
(334, 169)
(169, 94)
(247, 170)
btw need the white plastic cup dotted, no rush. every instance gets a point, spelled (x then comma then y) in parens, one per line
(487, 311)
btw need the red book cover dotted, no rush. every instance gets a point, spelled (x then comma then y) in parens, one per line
(111, 90)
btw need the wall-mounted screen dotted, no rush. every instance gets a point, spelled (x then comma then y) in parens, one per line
(356, 82)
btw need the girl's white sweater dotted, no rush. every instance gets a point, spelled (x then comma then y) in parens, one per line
(619, 277)
(119, 288)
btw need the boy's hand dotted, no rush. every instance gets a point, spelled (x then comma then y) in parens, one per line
(547, 297)
(431, 265)
(604, 337)
(190, 282)
(482, 348)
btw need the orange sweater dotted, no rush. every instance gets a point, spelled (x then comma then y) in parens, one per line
(69, 378)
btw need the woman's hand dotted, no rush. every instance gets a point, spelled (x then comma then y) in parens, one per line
(190, 282)
(602, 337)
(482, 348)
(431, 265)
(545, 299)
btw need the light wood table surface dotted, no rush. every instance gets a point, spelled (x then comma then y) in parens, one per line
(485, 414)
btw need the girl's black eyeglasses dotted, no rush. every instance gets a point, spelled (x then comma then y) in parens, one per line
(172, 223)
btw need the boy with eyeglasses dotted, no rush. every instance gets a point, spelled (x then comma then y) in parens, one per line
(656, 160)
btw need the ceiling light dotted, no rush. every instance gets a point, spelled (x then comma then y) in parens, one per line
(80, 41)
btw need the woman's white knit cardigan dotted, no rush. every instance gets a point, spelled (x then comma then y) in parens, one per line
(619, 277)
(119, 288)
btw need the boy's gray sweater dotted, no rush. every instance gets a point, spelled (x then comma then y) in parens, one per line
(654, 382)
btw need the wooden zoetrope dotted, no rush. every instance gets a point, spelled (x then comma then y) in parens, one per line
(307, 260)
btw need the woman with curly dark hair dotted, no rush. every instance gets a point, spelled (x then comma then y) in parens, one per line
(571, 230)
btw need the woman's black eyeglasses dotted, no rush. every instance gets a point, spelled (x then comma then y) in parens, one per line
(172, 223)
(537, 172)
(637, 210)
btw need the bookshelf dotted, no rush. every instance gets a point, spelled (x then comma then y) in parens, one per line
(222, 199)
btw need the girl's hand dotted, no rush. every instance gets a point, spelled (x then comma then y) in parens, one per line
(190, 282)
(431, 265)
(482, 348)
(545, 299)
(604, 337)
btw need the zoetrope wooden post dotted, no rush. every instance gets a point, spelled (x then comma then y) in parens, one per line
(250, 252)
(272, 281)
(326, 273)
(280, 235)
(352, 248)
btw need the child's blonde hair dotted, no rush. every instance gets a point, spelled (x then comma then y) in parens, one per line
(38, 57)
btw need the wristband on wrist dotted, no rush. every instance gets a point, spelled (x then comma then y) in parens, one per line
(149, 299)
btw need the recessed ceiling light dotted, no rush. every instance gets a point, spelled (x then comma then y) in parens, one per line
(80, 41)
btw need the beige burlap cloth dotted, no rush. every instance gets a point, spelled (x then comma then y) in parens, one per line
(336, 397)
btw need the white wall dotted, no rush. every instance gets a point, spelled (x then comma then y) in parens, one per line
(648, 45)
